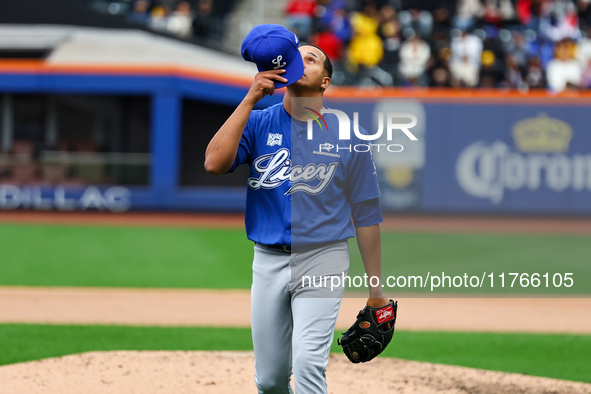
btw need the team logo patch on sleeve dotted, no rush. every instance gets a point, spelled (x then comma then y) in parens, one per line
(274, 139)
(385, 314)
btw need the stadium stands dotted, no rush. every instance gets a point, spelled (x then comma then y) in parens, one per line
(521, 44)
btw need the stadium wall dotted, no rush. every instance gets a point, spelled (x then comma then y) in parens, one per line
(478, 152)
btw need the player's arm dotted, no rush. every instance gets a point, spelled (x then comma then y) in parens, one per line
(221, 151)
(370, 247)
(367, 216)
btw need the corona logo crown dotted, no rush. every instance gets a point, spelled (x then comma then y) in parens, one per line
(542, 134)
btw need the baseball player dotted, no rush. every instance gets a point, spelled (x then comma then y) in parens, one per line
(302, 206)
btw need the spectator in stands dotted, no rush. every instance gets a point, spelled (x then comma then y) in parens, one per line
(532, 13)
(466, 47)
(439, 40)
(464, 72)
(523, 9)
(390, 31)
(442, 15)
(534, 76)
(493, 42)
(440, 78)
(586, 76)
(497, 12)
(440, 75)
(542, 48)
(330, 43)
(414, 56)
(388, 20)
(562, 21)
(517, 47)
(337, 20)
(366, 48)
(584, 48)
(584, 12)
(563, 72)
(416, 15)
(159, 18)
(490, 76)
(300, 15)
(468, 12)
(514, 77)
(516, 56)
(180, 22)
(204, 22)
(139, 14)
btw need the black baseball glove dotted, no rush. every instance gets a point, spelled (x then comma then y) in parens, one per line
(370, 334)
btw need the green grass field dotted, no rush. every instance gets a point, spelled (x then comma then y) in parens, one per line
(38, 255)
(557, 356)
(221, 259)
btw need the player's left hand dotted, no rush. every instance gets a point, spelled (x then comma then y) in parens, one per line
(378, 302)
(371, 332)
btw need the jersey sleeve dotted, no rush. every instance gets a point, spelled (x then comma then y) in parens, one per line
(362, 178)
(245, 147)
(366, 213)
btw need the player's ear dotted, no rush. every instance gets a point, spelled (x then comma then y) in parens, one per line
(325, 83)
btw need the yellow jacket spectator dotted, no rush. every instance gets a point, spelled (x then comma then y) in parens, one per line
(366, 47)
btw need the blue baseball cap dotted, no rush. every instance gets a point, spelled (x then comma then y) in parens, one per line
(273, 47)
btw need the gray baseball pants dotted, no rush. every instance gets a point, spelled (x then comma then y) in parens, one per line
(293, 322)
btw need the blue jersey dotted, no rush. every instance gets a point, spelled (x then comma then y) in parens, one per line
(300, 190)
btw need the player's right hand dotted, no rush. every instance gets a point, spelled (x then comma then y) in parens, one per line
(264, 84)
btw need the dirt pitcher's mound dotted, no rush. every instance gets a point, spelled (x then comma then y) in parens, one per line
(125, 372)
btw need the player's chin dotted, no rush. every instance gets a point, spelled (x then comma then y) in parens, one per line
(300, 82)
(305, 84)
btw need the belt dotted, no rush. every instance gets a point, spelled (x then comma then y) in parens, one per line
(277, 248)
